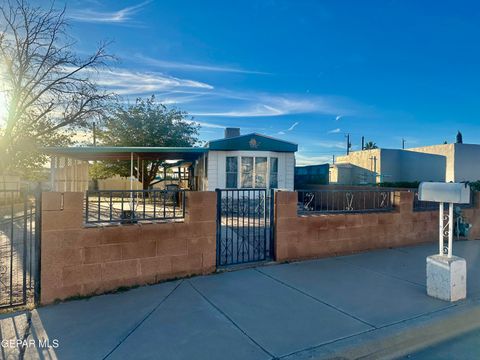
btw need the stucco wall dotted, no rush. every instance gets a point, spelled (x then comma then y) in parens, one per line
(78, 260)
(467, 162)
(390, 165)
(217, 167)
(447, 150)
(312, 236)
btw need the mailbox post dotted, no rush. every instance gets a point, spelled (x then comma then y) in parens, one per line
(446, 274)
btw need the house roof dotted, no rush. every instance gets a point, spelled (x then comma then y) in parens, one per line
(253, 141)
(124, 153)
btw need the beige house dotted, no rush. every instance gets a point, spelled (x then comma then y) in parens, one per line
(462, 160)
(387, 165)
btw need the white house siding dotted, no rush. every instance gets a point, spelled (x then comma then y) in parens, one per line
(217, 167)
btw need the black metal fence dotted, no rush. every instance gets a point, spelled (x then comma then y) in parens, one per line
(19, 247)
(419, 205)
(131, 206)
(344, 201)
(244, 226)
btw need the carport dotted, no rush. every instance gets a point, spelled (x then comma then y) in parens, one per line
(69, 172)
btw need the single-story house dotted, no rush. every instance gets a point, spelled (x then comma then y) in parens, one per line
(387, 165)
(461, 160)
(235, 161)
(246, 161)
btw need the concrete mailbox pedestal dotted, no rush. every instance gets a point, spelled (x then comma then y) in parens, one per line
(447, 277)
(446, 274)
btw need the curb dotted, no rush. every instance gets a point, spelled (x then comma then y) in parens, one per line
(398, 340)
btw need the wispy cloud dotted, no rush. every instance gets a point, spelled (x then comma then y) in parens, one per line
(338, 117)
(264, 105)
(210, 125)
(256, 110)
(302, 160)
(93, 15)
(293, 126)
(330, 144)
(175, 65)
(334, 131)
(126, 82)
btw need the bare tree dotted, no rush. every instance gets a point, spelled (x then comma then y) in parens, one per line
(47, 87)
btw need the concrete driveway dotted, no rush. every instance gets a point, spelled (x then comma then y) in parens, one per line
(276, 311)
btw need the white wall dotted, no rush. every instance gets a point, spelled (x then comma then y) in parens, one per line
(217, 167)
(447, 150)
(467, 162)
(390, 165)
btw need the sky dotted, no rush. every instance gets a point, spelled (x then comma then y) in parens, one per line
(308, 72)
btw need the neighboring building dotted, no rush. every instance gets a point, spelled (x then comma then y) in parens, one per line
(246, 161)
(387, 165)
(461, 160)
(311, 175)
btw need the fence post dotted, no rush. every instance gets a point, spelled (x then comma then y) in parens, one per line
(38, 244)
(272, 224)
(219, 224)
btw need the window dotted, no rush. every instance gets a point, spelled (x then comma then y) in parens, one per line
(247, 172)
(273, 173)
(232, 172)
(260, 172)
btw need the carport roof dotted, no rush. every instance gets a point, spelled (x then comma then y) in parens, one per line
(124, 153)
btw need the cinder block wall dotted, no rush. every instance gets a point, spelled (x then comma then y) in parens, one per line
(78, 260)
(312, 236)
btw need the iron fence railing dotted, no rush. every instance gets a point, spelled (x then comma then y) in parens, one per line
(344, 201)
(131, 206)
(419, 205)
(19, 247)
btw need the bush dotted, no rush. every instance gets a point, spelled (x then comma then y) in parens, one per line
(400, 184)
(475, 185)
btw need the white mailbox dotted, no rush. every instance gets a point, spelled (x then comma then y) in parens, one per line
(457, 193)
(446, 274)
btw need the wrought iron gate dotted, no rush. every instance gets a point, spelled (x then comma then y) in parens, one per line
(244, 226)
(19, 247)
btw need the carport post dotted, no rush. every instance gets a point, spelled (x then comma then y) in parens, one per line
(131, 181)
(53, 170)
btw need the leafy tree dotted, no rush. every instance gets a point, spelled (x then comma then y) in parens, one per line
(370, 145)
(45, 87)
(145, 123)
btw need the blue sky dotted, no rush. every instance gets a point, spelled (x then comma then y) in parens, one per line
(304, 71)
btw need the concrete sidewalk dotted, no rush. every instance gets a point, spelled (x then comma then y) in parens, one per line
(300, 310)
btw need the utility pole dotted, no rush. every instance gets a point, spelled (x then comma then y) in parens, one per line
(403, 143)
(333, 159)
(349, 145)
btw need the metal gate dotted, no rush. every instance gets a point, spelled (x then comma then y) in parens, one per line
(19, 247)
(244, 226)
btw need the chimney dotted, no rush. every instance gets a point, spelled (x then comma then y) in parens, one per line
(231, 132)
